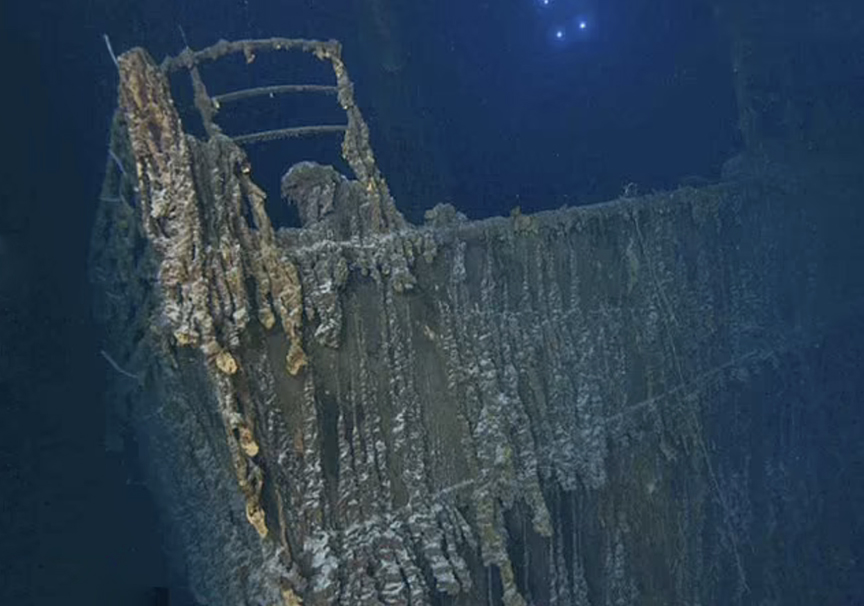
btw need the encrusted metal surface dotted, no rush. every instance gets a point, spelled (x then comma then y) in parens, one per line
(547, 409)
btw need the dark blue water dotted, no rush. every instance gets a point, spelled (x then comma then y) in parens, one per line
(487, 105)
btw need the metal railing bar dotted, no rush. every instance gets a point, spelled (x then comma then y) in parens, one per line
(288, 133)
(187, 58)
(261, 91)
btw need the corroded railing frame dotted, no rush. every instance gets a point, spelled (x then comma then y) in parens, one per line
(356, 148)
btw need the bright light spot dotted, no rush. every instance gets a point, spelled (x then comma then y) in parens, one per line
(559, 34)
(582, 25)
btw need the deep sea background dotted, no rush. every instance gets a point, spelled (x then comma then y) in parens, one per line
(481, 104)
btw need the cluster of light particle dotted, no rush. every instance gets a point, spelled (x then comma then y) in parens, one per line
(566, 22)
